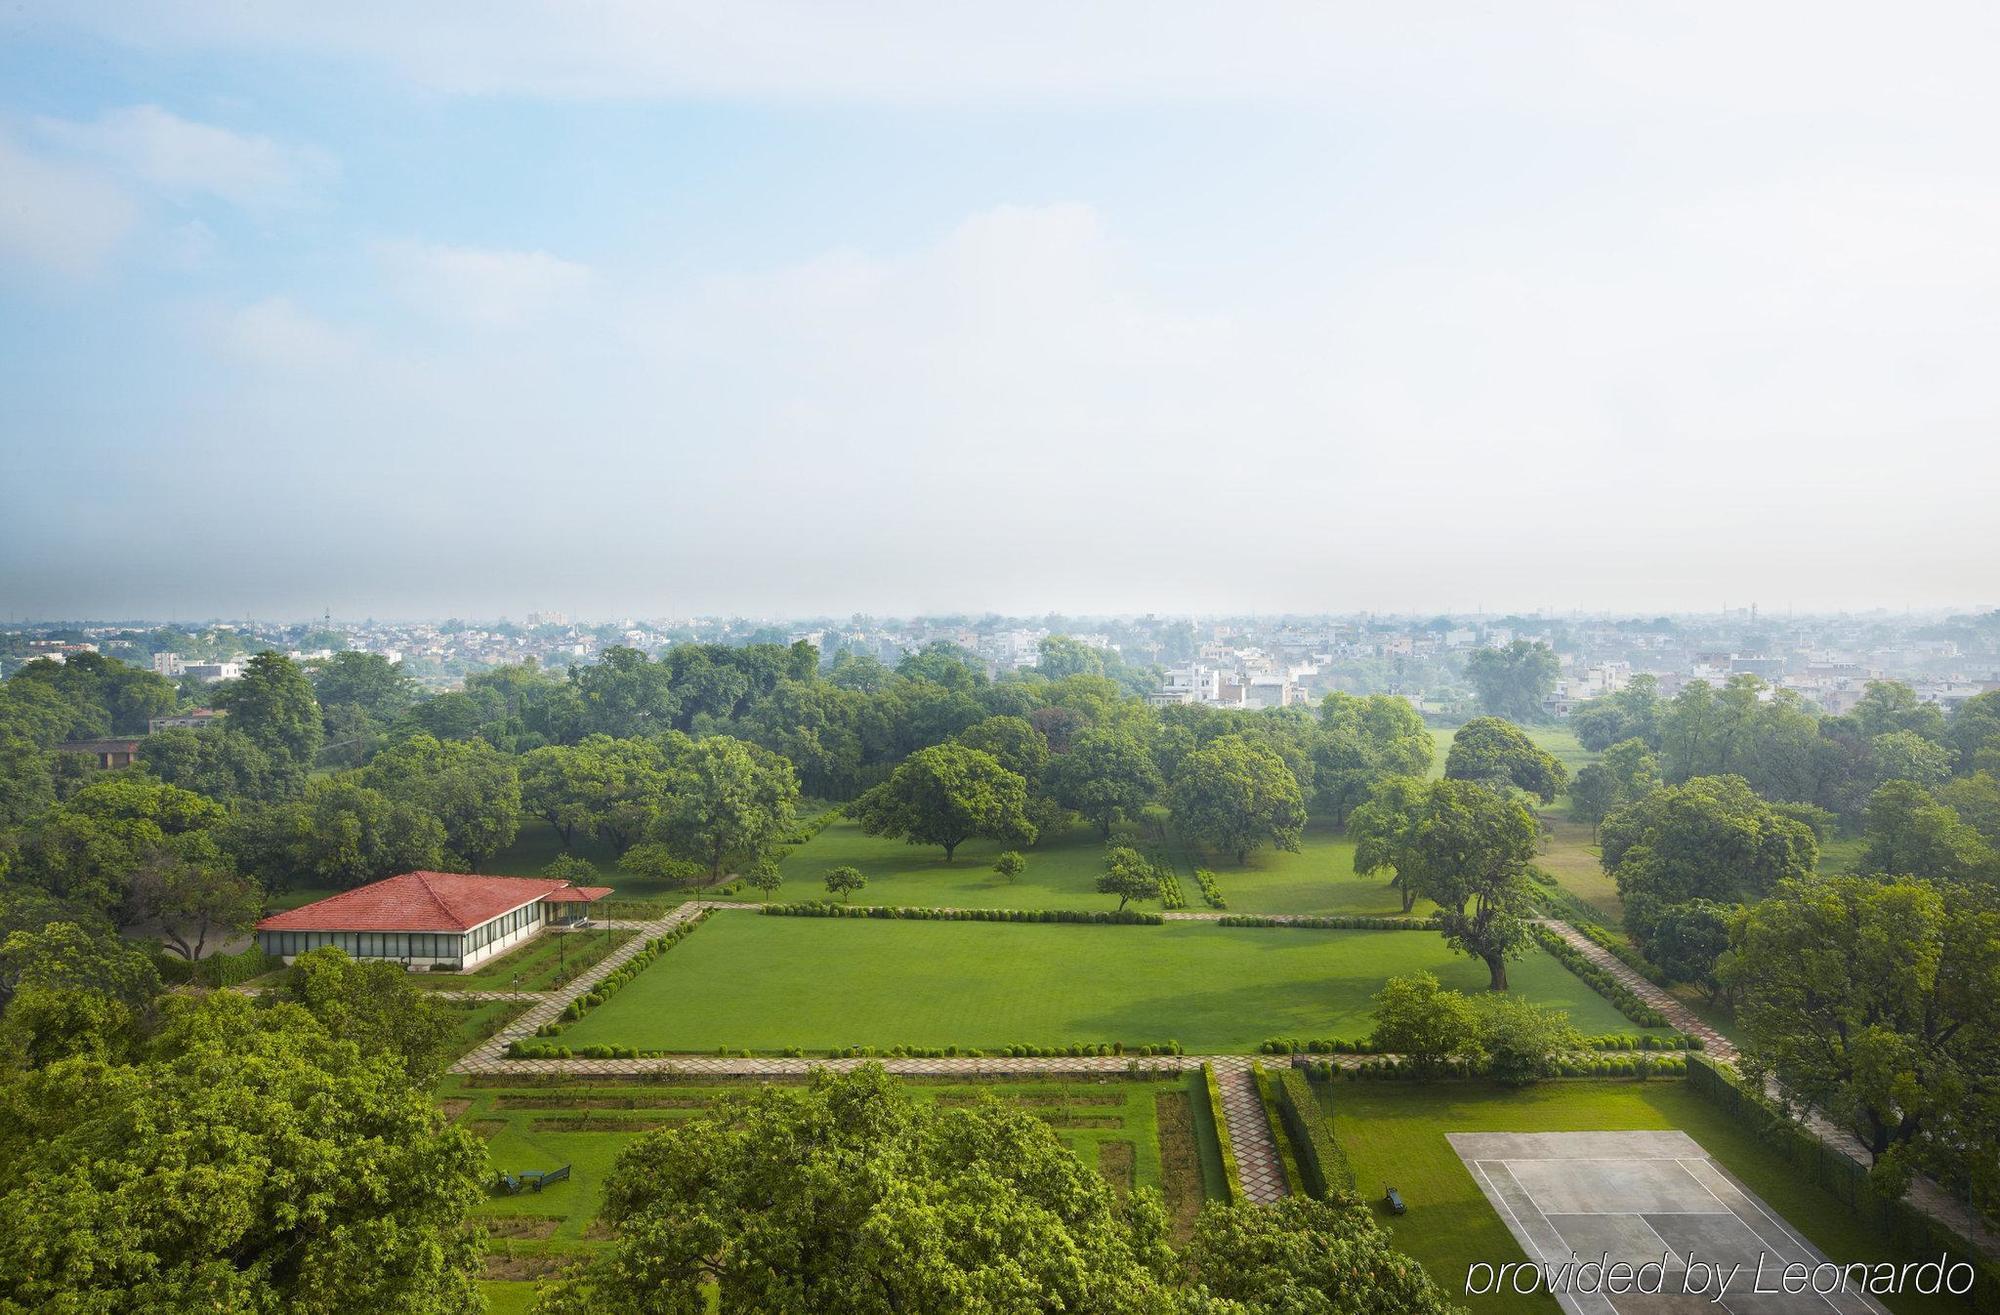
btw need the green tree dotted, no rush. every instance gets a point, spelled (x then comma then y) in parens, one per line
(1010, 864)
(252, 1163)
(570, 786)
(1418, 1018)
(1689, 942)
(1469, 855)
(1976, 800)
(1634, 767)
(1107, 776)
(1710, 838)
(221, 764)
(1299, 1256)
(1878, 1004)
(87, 848)
(945, 665)
(1908, 756)
(844, 881)
(1632, 713)
(851, 1197)
(470, 787)
(1231, 796)
(1060, 655)
(765, 879)
(1523, 1041)
(69, 990)
(946, 795)
(1018, 746)
(1890, 707)
(649, 860)
(1974, 732)
(192, 900)
(1128, 875)
(1385, 830)
(1496, 753)
(368, 681)
(1593, 793)
(729, 804)
(272, 704)
(1911, 834)
(340, 833)
(374, 1005)
(1362, 741)
(1511, 682)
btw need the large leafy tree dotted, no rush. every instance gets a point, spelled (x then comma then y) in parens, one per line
(1302, 1257)
(1107, 775)
(1908, 756)
(1878, 1003)
(272, 704)
(729, 804)
(1889, 707)
(251, 1162)
(1231, 796)
(1496, 752)
(1512, 681)
(220, 763)
(87, 848)
(1632, 713)
(1710, 838)
(946, 795)
(1361, 741)
(373, 1004)
(1466, 848)
(470, 787)
(1975, 733)
(1018, 746)
(1385, 829)
(341, 833)
(1911, 833)
(850, 1196)
(193, 901)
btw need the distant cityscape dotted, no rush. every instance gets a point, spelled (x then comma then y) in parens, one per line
(1233, 662)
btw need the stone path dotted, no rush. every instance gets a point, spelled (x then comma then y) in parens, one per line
(1250, 1133)
(447, 994)
(1678, 1015)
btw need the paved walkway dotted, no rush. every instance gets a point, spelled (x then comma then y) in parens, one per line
(1250, 1134)
(1678, 1015)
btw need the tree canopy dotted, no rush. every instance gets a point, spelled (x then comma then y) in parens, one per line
(946, 795)
(1498, 753)
(1511, 682)
(1231, 796)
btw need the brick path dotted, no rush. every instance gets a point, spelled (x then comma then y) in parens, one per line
(1250, 1134)
(1679, 1015)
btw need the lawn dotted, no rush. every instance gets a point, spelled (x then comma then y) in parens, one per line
(1574, 859)
(747, 981)
(1394, 1133)
(1062, 874)
(1138, 1133)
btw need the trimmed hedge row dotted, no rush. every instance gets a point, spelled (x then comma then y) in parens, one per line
(1570, 1066)
(1607, 1041)
(1211, 893)
(1341, 922)
(1232, 1177)
(829, 909)
(1621, 997)
(1912, 1232)
(217, 970)
(802, 832)
(1624, 953)
(1321, 1158)
(1078, 1050)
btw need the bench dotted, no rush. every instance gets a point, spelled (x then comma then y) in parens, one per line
(534, 1180)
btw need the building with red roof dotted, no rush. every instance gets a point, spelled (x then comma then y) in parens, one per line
(433, 920)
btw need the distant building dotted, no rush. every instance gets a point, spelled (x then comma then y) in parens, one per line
(446, 921)
(198, 720)
(167, 664)
(108, 753)
(213, 671)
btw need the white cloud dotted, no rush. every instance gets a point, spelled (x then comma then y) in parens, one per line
(56, 216)
(483, 287)
(276, 334)
(184, 158)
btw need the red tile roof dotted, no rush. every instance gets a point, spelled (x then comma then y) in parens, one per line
(423, 901)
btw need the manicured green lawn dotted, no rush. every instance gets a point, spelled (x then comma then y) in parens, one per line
(1062, 874)
(1394, 1133)
(541, 964)
(748, 981)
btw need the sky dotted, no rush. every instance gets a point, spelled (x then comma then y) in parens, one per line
(632, 307)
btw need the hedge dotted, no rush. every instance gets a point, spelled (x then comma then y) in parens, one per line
(1914, 1234)
(1232, 1177)
(1321, 1158)
(1211, 893)
(829, 909)
(1342, 922)
(1597, 979)
(1393, 1068)
(217, 970)
(1607, 1041)
(1622, 952)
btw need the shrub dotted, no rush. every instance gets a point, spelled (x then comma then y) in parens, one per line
(1232, 1177)
(1321, 1158)
(1600, 981)
(1211, 893)
(828, 909)
(1343, 922)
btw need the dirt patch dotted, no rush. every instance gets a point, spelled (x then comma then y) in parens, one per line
(487, 1129)
(455, 1106)
(1050, 1100)
(501, 1269)
(1116, 1160)
(534, 1228)
(1082, 1120)
(1180, 1162)
(599, 1231)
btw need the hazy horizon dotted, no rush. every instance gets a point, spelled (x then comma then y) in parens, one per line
(777, 310)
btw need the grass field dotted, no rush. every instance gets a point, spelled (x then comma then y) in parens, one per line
(1394, 1133)
(1138, 1133)
(541, 964)
(746, 981)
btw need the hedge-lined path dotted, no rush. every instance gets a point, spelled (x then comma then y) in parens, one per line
(1924, 1193)
(446, 994)
(487, 1056)
(1250, 1136)
(1677, 1014)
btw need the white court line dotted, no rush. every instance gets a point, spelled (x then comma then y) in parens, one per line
(1528, 1234)
(1797, 1243)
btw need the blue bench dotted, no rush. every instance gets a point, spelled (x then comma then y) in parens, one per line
(533, 1180)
